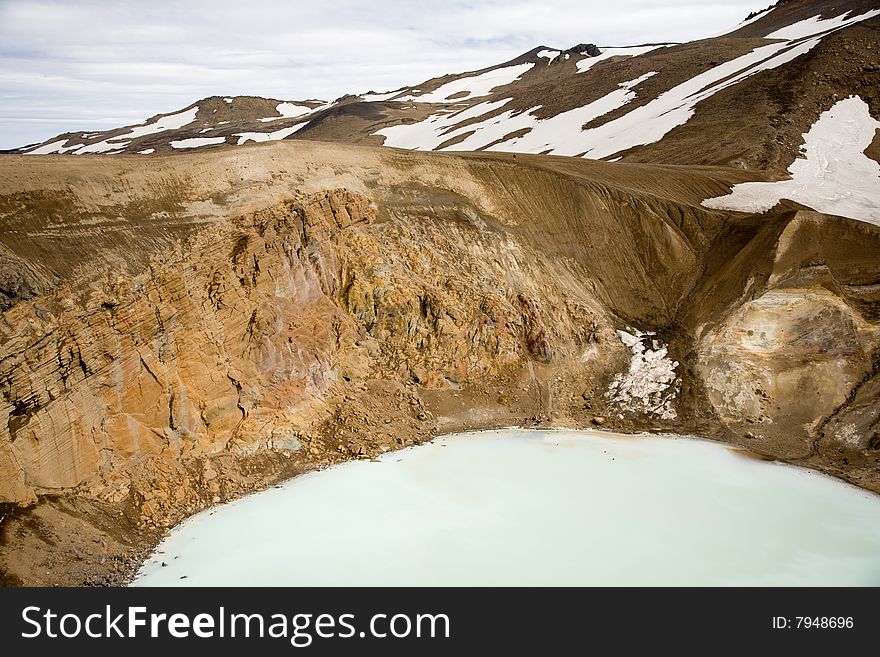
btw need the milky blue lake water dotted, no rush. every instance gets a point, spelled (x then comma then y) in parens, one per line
(516, 507)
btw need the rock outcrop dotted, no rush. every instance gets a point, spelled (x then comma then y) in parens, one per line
(589, 49)
(794, 352)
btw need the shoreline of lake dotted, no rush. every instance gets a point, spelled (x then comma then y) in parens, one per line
(456, 440)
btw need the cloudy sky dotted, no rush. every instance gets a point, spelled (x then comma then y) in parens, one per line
(91, 64)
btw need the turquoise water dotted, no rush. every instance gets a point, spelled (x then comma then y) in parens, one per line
(514, 507)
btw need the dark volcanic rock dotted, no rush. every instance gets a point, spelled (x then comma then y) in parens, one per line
(589, 49)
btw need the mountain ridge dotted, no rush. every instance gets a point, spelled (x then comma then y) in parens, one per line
(570, 96)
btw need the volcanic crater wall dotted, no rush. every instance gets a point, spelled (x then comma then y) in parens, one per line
(253, 305)
(230, 336)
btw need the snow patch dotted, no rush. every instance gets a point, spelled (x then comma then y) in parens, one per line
(563, 134)
(244, 137)
(433, 131)
(649, 385)
(288, 111)
(147, 151)
(56, 147)
(587, 63)
(473, 85)
(373, 98)
(835, 176)
(163, 123)
(492, 129)
(197, 142)
(120, 142)
(107, 147)
(549, 54)
(815, 25)
(651, 122)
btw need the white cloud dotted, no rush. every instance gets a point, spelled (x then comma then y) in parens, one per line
(92, 64)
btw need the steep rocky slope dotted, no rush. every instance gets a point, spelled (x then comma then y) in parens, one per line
(182, 329)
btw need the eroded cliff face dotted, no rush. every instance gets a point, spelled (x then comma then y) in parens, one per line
(289, 306)
(234, 342)
(792, 360)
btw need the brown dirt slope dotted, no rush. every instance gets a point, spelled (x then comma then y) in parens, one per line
(758, 123)
(787, 12)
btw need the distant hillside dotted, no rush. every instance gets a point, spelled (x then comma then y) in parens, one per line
(743, 98)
